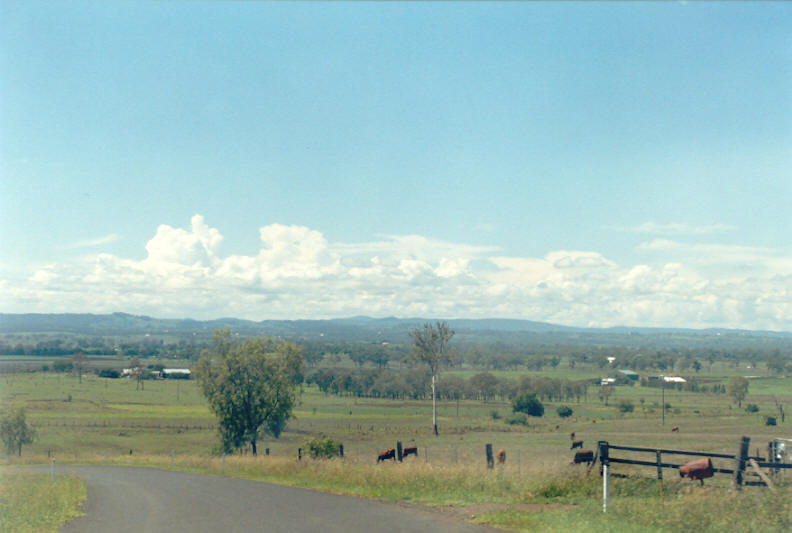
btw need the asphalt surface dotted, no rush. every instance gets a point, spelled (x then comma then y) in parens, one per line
(124, 499)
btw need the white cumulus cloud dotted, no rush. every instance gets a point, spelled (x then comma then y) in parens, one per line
(297, 273)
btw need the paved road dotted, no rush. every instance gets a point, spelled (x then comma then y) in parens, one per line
(124, 499)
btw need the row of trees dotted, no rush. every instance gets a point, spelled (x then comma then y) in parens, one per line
(416, 384)
(484, 356)
(182, 349)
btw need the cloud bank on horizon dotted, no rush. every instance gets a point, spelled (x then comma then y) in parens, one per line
(298, 274)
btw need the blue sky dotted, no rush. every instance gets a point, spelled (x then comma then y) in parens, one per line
(579, 163)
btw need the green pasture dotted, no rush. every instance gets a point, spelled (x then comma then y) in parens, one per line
(114, 421)
(114, 415)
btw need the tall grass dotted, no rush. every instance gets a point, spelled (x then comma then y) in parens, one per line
(34, 503)
(693, 510)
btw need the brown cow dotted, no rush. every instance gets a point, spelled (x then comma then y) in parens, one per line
(698, 469)
(577, 444)
(501, 455)
(390, 453)
(583, 456)
(410, 450)
(675, 429)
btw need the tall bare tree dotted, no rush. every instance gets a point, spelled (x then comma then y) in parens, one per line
(430, 346)
(138, 372)
(79, 363)
(737, 388)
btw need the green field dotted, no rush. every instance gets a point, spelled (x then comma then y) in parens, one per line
(103, 420)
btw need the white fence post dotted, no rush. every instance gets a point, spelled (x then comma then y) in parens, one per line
(605, 487)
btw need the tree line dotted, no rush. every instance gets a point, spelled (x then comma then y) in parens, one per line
(414, 384)
(491, 356)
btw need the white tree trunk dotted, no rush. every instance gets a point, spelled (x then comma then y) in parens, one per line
(434, 406)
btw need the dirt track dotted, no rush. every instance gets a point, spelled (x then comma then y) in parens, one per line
(124, 499)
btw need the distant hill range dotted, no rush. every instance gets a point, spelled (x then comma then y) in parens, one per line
(361, 328)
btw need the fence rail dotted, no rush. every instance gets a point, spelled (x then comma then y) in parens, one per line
(740, 460)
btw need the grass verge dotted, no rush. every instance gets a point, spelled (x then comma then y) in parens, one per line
(34, 503)
(561, 498)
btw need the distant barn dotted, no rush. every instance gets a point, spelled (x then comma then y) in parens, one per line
(175, 373)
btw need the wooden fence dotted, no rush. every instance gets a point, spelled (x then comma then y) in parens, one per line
(739, 462)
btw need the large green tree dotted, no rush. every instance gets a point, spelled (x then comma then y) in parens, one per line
(251, 386)
(430, 346)
(14, 431)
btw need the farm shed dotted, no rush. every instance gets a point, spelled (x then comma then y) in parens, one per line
(183, 373)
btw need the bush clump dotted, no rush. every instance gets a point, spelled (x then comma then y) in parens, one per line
(109, 373)
(528, 403)
(626, 406)
(322, 447)
(516, 419)
(564, 411)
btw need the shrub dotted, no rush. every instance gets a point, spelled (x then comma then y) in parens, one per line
(564, 411)
(752, 408)
(517, 419)
(529, 404)
(495, 415)
(625, 406)
(322, 447)
(109, 373)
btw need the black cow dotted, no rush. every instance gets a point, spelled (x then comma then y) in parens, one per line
(583, 456)
(384, 455)
(577, 444)
(410, 450)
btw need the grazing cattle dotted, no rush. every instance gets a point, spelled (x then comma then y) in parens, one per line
(572, 436)
(698, 469)
(675, 429)
(390, 453)
(501, 455)
(410, 450)
(583, 456)
(577, 444)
